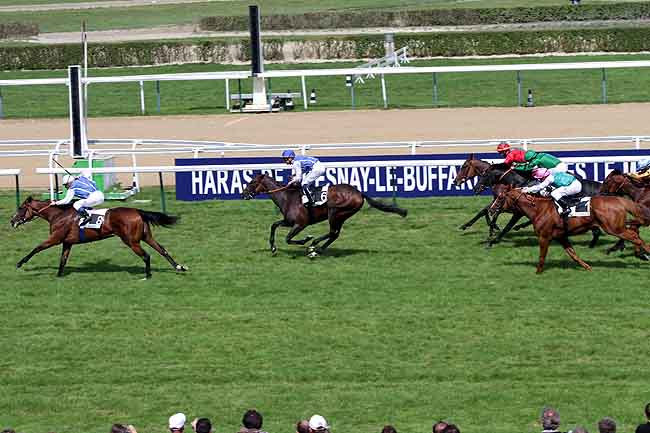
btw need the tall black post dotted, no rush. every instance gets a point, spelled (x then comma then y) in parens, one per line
(257, 64)
(76, 110)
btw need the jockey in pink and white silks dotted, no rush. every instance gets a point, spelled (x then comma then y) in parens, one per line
(86, 190)
(563, 184)
(306, 171)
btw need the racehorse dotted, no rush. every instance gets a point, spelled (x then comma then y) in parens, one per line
(343, 201)
(129, 224)
(618, 183)
(607, 212)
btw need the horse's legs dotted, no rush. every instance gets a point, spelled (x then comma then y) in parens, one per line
(506, 229)
(564, 241)
(336, 220)
(293, 232)
(618, 246)
(148, 238)
(137, 248)
(274, 227)
(482, 213)
(65, 253)
(522, 225)
(595, 235)
(543, 250)
(49, 242)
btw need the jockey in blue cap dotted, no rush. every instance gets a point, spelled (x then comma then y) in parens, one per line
(86, 190)
(306, 169)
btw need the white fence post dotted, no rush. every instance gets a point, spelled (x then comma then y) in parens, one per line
(227, 94)
(304, 92)
(383, 91)
(142, 97)
(637, 143)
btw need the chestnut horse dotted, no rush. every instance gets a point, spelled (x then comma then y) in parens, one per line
(129, 224)
(607, 212)
(343, 201)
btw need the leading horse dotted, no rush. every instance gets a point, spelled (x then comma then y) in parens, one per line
(131, 225)
(343, 201)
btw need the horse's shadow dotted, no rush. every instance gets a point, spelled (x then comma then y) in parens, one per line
(567, 263)
(294, 253)
(101, 266)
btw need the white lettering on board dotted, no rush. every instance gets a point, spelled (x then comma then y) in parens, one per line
(197, 182)
(210, 187)
(222, 182)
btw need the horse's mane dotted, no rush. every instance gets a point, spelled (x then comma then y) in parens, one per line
(62, 206)
(500, 166)
(616, 171)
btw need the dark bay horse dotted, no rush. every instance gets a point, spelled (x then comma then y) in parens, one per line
(343, 201)
(129, 224)
(607, 212)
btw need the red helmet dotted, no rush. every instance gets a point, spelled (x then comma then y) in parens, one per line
(503, 147)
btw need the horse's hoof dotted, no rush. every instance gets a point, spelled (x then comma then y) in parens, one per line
(181, 268)
(311, 249)
(308, 238)
(588, 268)
(312, 255)
(463, 227)
(19, 264)
(644, 257)
(274, 251)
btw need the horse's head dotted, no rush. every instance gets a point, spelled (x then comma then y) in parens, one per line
(26, 212)
(614, 182)
(470, 168)
(484, 180)
(508, 200)
(262, 183)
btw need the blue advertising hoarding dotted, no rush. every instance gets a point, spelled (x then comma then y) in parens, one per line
(381, 180)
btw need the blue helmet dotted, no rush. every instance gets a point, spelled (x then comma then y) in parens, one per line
(288, 154)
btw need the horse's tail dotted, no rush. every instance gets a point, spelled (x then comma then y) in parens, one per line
(641, 212)
(158, 218)
(385, 207)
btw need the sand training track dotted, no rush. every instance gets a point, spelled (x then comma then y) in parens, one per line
(338, 126)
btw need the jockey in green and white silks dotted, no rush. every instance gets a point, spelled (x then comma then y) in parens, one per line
(564, 184)
(83, 188)
(306, 171)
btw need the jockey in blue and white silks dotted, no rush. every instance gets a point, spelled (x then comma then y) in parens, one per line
(86, 190)
(306, 169)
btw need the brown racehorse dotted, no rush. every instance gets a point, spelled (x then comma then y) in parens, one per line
(607, 212)
(129, 224)
(343, 201)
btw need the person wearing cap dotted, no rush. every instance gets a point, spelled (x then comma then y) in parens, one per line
(318, 424)
(252, 422)
(306, 171)
(563, 185)
(526, 160)
(86, 190)
(550, 420)
(177, 422)
(642, 170)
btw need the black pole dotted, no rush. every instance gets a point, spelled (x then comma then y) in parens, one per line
(158, 96)
(17, 192)
(241, 108)
(75, 109)
(257, 65)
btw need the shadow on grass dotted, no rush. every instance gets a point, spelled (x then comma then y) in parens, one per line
(630, 263)
(102, 266)
(330, 252)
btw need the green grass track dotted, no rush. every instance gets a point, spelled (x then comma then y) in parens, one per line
(404, 91)
(404, 321)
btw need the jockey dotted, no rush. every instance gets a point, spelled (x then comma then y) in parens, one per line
(86, 190)
(642, 170)
(527, 160)
(563, 185)
(307, 170)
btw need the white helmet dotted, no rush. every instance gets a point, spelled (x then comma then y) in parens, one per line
(68, 178)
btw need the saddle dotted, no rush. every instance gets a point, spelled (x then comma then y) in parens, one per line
(319, 194)
(579, 205)
(96, 219)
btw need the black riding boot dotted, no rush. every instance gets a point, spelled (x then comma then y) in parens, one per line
(307, 193)
(84, 216)
(566, 208)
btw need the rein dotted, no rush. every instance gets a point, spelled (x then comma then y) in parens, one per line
(277, 189)
(38, 211)
(504, 174)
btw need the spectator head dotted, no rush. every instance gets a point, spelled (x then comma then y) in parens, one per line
(302, 426)
(451, 428)
(607, 425)
(203, 425)
(177, 422)
(388, 429)
(252, 419)
(318, 424)
(579, 429)
(647, 411)
(439, 427)
(119, 428)
(550, 419)
(8, 430)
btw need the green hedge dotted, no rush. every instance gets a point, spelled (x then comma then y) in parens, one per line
(18, 30)
(434, 17)
(347, 47)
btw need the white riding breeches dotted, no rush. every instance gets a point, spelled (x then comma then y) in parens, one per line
(573, 188)
(317, 171)
(560, 168)
(94, 199)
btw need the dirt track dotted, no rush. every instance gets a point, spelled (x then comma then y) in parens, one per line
(332, 126)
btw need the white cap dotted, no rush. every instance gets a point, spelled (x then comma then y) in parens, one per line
(177, 421)
(317, 422)
(67, 179)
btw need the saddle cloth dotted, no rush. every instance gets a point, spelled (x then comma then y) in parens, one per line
(96, 219)
(580, 209)
(319, 194)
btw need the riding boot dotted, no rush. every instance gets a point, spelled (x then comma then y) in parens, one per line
(566, 208)
(84, 216)
(307, 194)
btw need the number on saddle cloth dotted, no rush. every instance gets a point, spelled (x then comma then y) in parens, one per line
(579, 206)
(319, 194)
(96, 219)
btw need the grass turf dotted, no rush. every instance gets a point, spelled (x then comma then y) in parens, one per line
(180, 14)
(404, 321)
(404, 91)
